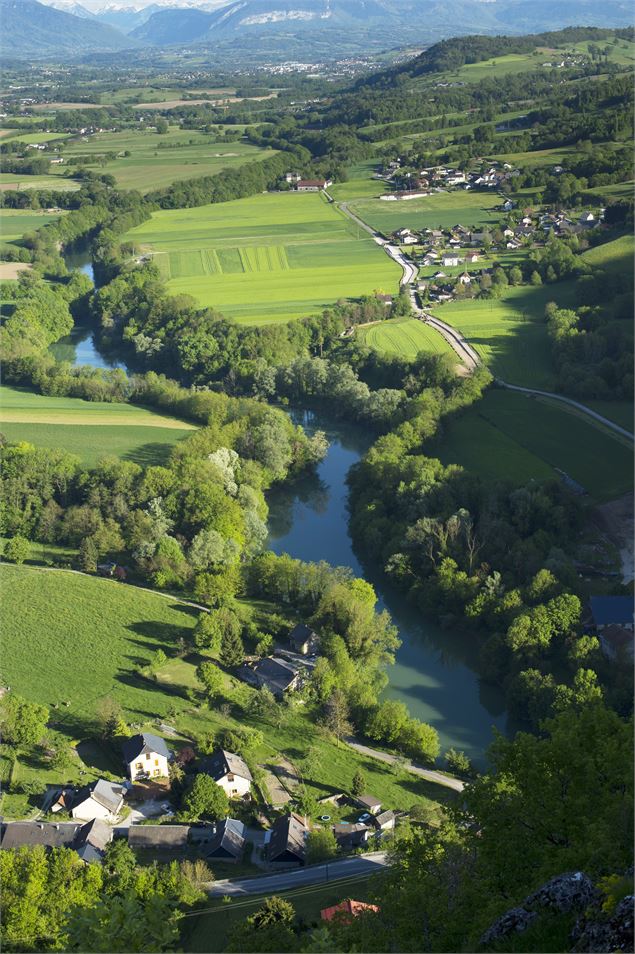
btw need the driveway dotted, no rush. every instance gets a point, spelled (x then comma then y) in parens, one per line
(449, 781)
(152, 808)
(315, 874)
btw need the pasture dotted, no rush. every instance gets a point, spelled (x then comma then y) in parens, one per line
(89, 429)
(267, 258)
(16, 223)
(613, 256)
(144, 160)
(404, 337)
(10, 181)
(518, 437)
(440, 210)
(92, 637)
(510, 332)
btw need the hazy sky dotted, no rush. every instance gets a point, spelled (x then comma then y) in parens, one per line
(94, 5)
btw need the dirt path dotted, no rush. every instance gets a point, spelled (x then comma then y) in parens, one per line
(448, 781)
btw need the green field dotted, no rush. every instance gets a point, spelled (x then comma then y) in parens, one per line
(267, 258)
(90, 429)
(510, 333)
(615, 256)
(89, 637)
(32, 138)
(192, 154)
(16, 223)
(517, 437)
(405, 337)
(442, 210)
(9, 181)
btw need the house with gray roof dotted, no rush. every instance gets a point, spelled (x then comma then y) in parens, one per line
(227, 842)
(303, 639)
(287, 844)
(158, 836)
(89, 840)
(229, 771)
(100, 799)
(277, 674)
(146, 756)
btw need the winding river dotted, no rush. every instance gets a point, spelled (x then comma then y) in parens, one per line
(435, 670)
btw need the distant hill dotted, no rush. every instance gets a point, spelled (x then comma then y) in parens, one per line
(32, 29)
(365, 24)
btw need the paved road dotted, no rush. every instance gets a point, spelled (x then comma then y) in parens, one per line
(429, 774)
(565, 400)
(315, 874)
(409, 270)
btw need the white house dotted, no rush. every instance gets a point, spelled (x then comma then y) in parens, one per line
(230, 772)
(146, 756)
(101, 799)
(450, 260)
(465, 279)
(587, 218)
(406, 237)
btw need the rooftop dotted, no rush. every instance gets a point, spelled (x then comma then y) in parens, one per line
(612, 610)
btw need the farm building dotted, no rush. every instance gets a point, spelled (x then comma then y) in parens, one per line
(158, 836)
(278, 675)
(312, 185)
(88, 840)
(613, 620)
(369, 803)
(351, 836)
(384, 821)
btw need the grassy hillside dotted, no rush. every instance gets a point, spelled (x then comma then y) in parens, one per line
(16, 223)
(510, 332)
(442, 210)
(91, 637)
(517, 437)
(89, 429)
(267, 258)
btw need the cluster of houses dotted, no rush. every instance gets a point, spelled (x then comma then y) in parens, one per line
(423, 182)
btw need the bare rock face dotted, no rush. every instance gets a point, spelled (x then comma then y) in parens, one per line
(566, 892)
(592, 934)
(514, 921)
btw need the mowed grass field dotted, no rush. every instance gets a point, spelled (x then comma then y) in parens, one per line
(9, 181)
(267, 258)
(151, 165)
(405, 337)
(16, 223)
(510, 332)
(89, 429)
(517, 437)
(441, 210)
(68, 637)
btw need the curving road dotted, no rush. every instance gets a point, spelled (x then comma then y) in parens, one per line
(358, 865)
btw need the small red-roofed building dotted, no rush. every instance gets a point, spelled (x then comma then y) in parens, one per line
(346, 910)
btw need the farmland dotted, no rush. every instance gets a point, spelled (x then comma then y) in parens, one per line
(510, 332)
(616, 255)
(267, 258)
(441, 210)
(16, 223)
(144, 160)
(10, 181)
(517, 437)
(89, 429)
(405, 337)
(91, 637)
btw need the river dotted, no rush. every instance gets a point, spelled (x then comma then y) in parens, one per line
(435, 670)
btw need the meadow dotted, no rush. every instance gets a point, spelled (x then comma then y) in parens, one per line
(16, 223)
(616, 255)
(518, 437)
(90, 429)
(11, 181)
(441, 210)
(144, 161)
(405, 337)
(92, 637)
(267, 258)
(510, 332)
